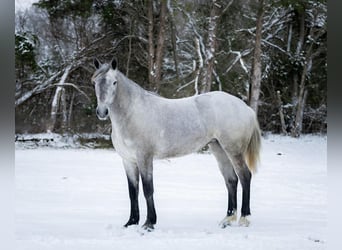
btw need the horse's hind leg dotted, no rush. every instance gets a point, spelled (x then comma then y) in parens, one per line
(230, 179)
(245, 177)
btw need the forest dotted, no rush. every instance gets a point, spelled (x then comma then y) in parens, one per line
(270, 53)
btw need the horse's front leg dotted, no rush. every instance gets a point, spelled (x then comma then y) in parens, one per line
(145, 165)
(132, 173)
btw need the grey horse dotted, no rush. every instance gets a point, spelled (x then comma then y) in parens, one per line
(146, 126)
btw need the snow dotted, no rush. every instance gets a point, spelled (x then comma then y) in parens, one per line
(23, 4)
(78, 199)
(59, 141)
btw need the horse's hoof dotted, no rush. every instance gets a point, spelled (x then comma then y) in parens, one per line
(228, 220)
(130, 223)
(244, 221)
(148, 227)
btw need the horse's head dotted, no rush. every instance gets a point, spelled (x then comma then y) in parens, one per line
(105, 82)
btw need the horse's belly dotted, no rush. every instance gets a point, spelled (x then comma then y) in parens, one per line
(177, 152)
(180, 147)
(179, 136)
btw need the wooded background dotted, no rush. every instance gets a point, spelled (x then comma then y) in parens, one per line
(271, 54)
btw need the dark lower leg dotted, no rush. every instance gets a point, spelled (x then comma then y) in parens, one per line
(232, 196)
(151, 212)
(245, 182)
(133, 189)
(245, 176)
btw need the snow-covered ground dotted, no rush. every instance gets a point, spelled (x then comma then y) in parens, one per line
(78, 199)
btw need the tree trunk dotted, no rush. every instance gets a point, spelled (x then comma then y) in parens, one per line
(256, 64)
(129, 48)
(54, 109)
(71, 109)
(198, 66)
(56, 101)
(281, 114)
(64, 111)
(298, 123)
(156, 46)
(160, 46)
(289, 38)
(207, 76)
(151, 71)
(173, 34)
(297, 129)
(299, 47)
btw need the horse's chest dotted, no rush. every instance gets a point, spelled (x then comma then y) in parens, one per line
(125, 147)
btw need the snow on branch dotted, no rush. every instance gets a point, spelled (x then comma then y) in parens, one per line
(238, 58)
(71, 85)
(275, 46)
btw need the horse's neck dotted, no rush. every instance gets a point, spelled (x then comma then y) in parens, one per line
(130, 89)
(128, 94)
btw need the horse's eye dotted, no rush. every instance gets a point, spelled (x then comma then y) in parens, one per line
(114, 82)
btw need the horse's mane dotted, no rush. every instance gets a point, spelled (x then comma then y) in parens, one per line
(106, 67)
(102, 70)
(136, 85)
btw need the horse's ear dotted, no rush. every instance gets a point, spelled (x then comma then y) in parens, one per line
(97, 63)
(114, 64)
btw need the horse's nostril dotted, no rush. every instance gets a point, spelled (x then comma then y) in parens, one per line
(102, 114)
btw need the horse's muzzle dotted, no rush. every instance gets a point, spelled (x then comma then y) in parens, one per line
(102, 114)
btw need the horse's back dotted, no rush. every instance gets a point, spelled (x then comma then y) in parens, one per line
(226, 107)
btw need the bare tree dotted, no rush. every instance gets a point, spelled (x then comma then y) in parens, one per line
(256, 64)
(217, 10)
(208, 69)
(59, 96)
(310, 40)
(156, 45)
(173, 34)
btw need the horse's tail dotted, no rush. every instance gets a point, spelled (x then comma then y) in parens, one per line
(253, 148)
